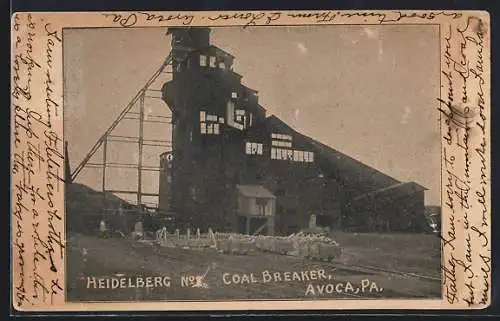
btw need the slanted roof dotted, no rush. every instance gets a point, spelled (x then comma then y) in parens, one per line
(214, 50)
(249, 90)
(396, 190)
(255, 191)
(358, 177)
(221, 52)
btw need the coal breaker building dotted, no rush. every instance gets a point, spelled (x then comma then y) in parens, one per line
(232, 168)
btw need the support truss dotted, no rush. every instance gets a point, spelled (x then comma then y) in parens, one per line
(102, 144)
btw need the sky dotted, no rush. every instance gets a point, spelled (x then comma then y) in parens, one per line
(368, 91)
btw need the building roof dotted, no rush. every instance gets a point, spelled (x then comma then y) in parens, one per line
(249, 90)
(211, 49)
(396, 190)
(255, 191)
(351, 173)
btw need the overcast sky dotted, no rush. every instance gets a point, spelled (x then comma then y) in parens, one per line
(367, 91)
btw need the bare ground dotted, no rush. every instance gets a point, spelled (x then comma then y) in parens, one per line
(419, 254)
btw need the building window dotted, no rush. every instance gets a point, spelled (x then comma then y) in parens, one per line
(280, 143)
(281, 136)
(212, 61)
(221, 120)
(284, 142)
(279, 153)
(212, 118)
(303, 156)
(222, 65)
(248, 148)
(240, 118)
(247, 120)
(203, 60)
(230, 112)
(292, 155)
(298, 155)
(235, 117)
(209, 124)
(275, 153)
(253, 148)
(284, 154)
(213, 129)
(308, 157)
(234, 94)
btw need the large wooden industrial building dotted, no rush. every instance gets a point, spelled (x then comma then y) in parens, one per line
(233, 168)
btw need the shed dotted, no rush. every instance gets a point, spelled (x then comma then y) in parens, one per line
(256, 209)
(398, 207)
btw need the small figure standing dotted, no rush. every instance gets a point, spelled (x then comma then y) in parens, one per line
(138, 232)
(103, 229)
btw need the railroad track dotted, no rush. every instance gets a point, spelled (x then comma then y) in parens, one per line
(379, 270)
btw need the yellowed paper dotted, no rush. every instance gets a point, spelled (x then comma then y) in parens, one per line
(300, 160)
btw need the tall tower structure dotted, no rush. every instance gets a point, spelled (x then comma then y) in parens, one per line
(178, 94)
(209, 107)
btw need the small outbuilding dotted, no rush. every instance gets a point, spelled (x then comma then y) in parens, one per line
(256, 209)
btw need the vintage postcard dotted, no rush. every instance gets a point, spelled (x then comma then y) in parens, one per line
(253, 160)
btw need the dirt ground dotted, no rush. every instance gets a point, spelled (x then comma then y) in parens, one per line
(91, 257)
(416, 253)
